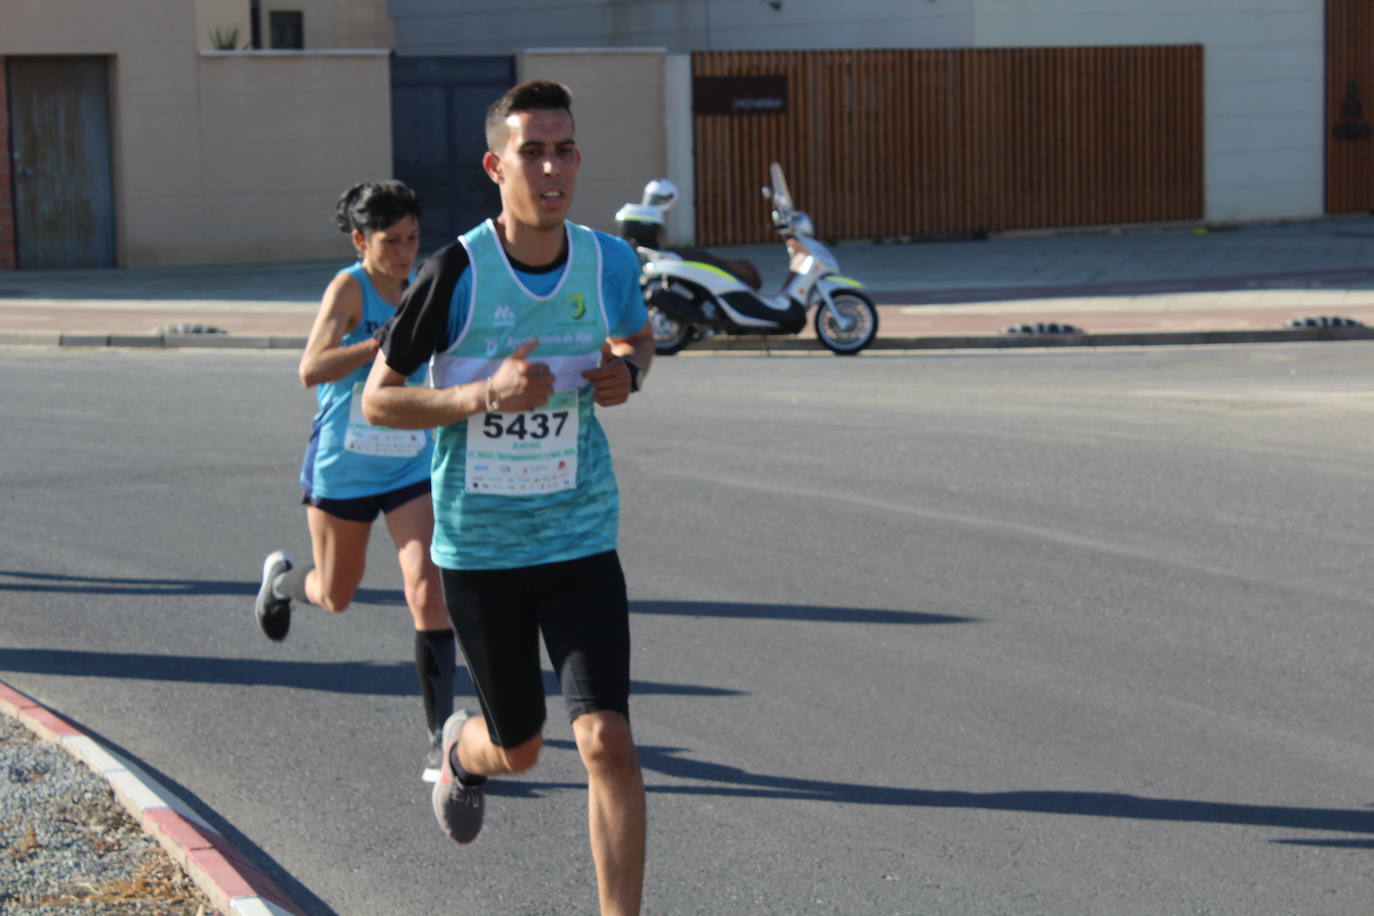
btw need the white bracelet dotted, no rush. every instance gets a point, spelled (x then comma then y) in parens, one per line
(492, 403)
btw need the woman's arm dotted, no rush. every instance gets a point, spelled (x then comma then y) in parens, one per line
(340, 311)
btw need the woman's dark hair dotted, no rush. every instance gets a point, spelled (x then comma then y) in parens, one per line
(372, 205)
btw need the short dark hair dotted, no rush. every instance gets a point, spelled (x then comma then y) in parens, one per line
(531, 95)
(372, 205)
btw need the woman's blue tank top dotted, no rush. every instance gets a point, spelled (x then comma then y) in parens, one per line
(346, 457)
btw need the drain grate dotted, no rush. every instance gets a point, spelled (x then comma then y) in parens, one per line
(1325, 321)
(187, 328)
(1043, 327)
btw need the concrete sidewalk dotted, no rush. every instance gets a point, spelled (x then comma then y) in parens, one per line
(1140, 286)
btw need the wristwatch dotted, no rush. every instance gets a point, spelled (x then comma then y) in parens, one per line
(635, 373)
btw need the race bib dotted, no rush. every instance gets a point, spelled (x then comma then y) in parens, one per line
(363, 438)
(525, 453)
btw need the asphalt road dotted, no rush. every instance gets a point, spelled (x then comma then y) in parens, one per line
(1067, 632)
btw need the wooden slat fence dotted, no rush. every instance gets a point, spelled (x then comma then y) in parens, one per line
(891, 142)
(1349, 106)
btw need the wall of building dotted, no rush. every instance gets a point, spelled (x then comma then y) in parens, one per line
(281, 136)
(621, 123)
(362, 24)
(1264, 59)
(218, 156)
(153, 105)
(7, 251)
(680, 139)
(508, 26)
(1264, 75)
(221, 19)
(336, 23)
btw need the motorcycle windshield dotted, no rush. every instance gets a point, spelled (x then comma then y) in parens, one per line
(782, 197)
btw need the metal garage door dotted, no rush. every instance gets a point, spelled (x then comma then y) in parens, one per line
(438, 107)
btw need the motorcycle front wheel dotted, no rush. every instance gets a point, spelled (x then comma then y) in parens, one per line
(669, 336)
(857, 326)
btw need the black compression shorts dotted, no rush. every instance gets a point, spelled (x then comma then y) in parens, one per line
(581, 608)
(365, 508)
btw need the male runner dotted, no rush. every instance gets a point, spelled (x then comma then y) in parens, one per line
(529, 320)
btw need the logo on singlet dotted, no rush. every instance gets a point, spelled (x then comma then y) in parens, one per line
(579, 306)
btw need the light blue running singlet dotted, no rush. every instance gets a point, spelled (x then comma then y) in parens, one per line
(347, 457)
(525, 488)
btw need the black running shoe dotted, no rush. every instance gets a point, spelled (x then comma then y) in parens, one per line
(457, 808)
(273, 613)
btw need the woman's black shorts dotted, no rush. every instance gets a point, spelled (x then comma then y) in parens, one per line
(365, 508)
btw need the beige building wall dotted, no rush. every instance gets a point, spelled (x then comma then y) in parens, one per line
(362, 24)
(222, 19)
(618, 106)
(280, 138)
(336, 23)
(221, 156)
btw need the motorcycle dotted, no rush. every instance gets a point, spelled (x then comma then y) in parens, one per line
(691, 293)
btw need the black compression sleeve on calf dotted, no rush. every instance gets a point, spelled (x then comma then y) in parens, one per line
(291, 584)
(436, 657)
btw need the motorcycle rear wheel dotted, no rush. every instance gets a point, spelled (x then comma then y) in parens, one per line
(856, 307)
(669, 336)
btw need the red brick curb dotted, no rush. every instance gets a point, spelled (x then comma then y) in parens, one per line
(233, 883)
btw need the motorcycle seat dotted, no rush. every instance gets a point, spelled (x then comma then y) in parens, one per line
(738, 267)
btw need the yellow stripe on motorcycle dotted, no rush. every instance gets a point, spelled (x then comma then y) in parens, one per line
(724, 274)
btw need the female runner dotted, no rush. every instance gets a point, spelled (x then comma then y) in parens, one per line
(353, 470)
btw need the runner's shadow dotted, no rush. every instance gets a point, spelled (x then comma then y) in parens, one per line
(732, 782)
(810, 613)
(112, 586)
(361, 677)
(56, 583)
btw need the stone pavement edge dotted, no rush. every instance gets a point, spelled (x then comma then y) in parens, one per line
(234, 885)
(1107, 287)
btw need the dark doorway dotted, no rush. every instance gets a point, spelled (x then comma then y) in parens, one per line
(438, 106)
(60, 143)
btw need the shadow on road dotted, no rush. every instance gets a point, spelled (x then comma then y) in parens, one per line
(363, 677)
(733, 782)
(790, 612)
(55, 583)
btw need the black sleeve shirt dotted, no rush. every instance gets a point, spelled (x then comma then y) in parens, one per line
(423, 323)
